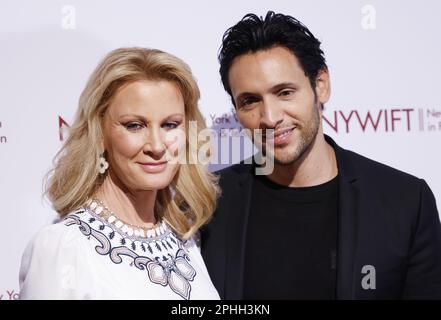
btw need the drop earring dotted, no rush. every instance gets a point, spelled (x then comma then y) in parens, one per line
(103, 165)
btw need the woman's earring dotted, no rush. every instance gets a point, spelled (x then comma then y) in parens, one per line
(103, 164)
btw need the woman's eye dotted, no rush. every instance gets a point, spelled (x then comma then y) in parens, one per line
(133, 126)
(170, 125)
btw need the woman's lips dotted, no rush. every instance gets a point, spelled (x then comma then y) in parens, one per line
(153, 167)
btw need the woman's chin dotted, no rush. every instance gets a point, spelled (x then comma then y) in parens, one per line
(154, 184)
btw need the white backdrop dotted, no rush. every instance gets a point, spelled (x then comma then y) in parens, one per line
(383, 58)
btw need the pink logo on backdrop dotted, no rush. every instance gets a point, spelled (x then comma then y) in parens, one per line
(341, 121)
(3, 138)
(384, 120)
(10, 294)
(63, 127)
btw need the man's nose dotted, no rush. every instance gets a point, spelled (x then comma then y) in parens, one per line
(271, 115)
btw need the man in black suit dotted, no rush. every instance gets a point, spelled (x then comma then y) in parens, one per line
(326, 223)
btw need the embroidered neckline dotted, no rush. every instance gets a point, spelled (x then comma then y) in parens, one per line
(169, 269)
(99, 210)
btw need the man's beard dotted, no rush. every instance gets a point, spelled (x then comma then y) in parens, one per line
(307, 135)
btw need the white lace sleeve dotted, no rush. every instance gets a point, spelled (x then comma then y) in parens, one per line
(54, 266)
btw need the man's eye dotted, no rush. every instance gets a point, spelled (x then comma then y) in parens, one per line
(133, 126)
(285, 93)
(248, 101)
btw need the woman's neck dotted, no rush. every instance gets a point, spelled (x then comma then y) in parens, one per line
(133, 207)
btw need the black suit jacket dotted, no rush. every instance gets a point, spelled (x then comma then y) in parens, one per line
(387, 219)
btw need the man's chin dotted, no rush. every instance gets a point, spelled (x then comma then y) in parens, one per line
(288, 156)
(285, 161)
(282, 156)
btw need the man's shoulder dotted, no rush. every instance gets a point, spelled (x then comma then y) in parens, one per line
(363, 166)
(372, 170)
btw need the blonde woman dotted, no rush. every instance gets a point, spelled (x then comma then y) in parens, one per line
(130, 206)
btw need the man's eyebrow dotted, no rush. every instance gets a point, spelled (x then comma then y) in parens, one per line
(245, 94)
(283, 85)
(276, 87)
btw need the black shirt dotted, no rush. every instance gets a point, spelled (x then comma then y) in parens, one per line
(291, 241)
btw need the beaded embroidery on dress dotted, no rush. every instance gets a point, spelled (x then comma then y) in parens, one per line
(160, 254)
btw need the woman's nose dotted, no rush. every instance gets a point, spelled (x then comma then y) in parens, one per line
(155, 143)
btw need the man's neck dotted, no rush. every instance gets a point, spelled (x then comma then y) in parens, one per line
(317, 165)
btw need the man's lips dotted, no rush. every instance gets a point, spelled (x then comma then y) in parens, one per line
(278, 137)
(277, 133)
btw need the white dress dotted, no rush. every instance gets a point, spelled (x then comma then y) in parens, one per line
(86, 257)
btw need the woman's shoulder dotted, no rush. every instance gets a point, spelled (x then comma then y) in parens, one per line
(58, 233)
(52, 258)
(56, 241)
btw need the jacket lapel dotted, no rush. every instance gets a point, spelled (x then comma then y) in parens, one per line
(347, 224)
(236, 235)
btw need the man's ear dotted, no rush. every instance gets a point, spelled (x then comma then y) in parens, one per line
(323, 86)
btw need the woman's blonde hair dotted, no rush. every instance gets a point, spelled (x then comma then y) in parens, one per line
(190, 200)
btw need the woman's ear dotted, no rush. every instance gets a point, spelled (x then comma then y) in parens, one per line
(102, 140)
(102, 146)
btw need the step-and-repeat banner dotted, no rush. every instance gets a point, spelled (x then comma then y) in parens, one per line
(383, 56)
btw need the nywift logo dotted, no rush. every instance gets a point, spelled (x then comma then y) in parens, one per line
(429, 120)
(384, 120)
(375, 120)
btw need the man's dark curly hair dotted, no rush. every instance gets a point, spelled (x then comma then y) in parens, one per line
(254, 33)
